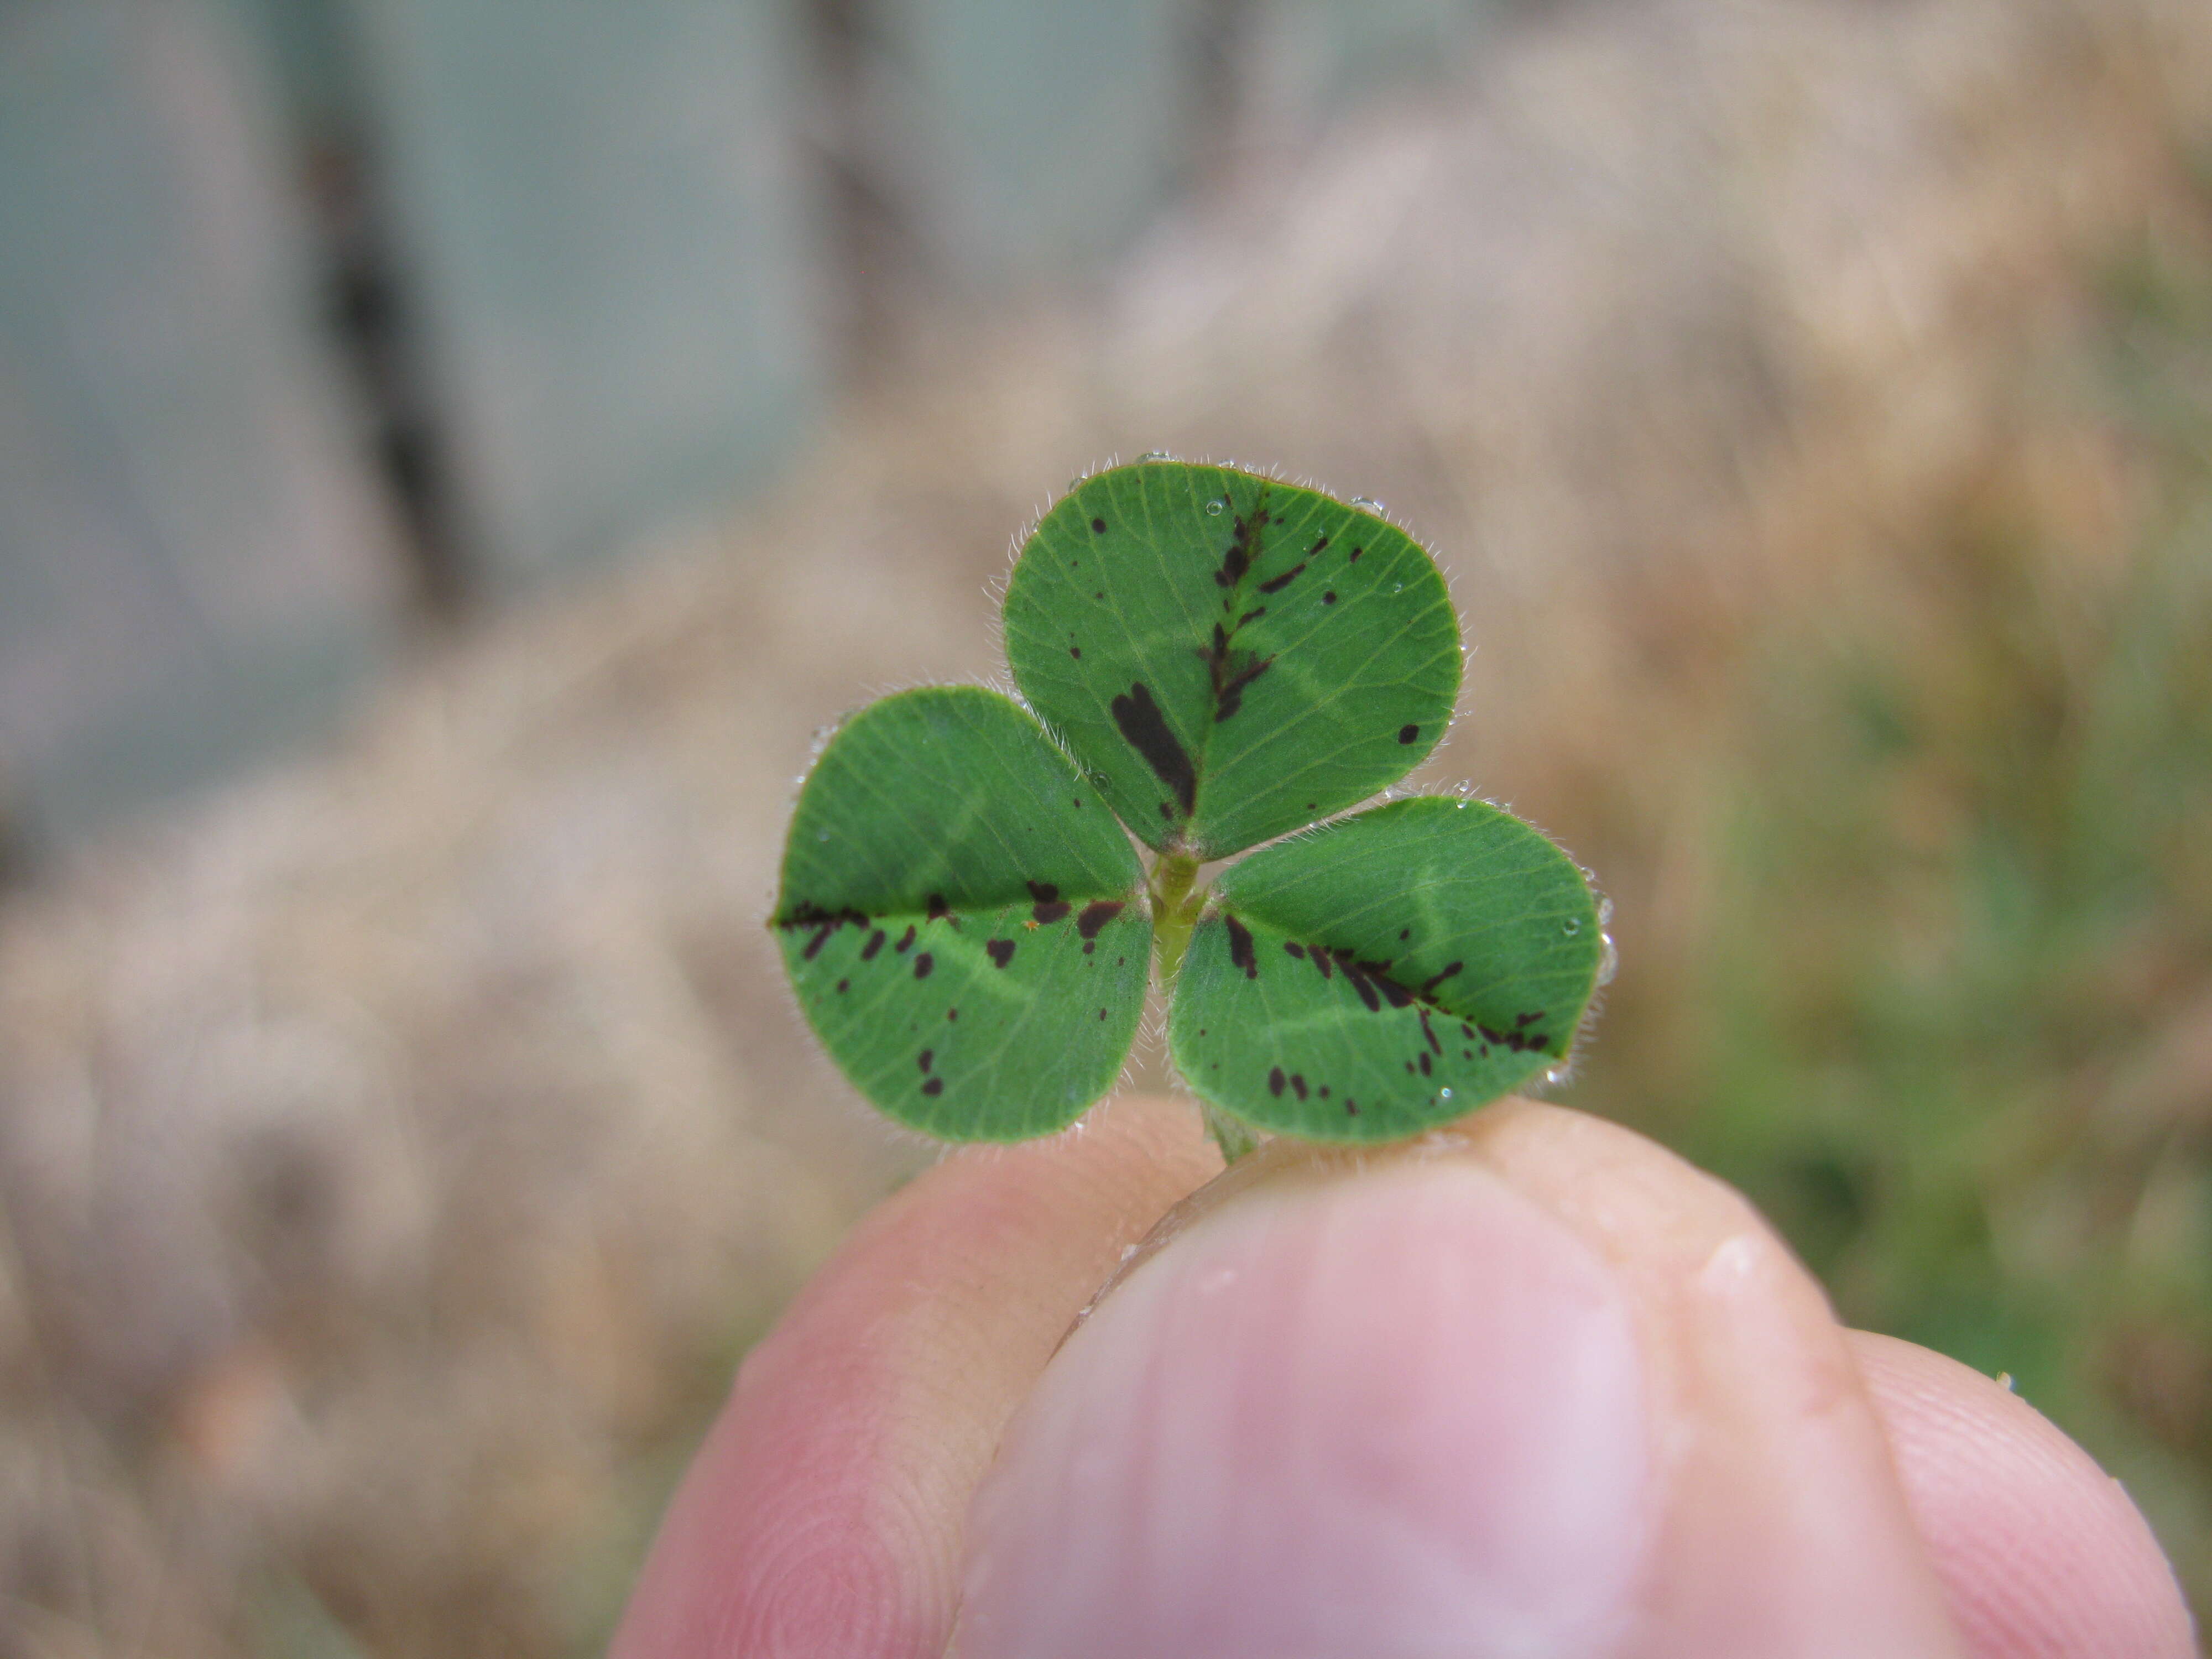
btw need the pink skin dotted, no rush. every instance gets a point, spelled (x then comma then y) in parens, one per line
(1535, 1389)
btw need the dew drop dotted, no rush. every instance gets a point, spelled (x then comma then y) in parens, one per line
(1155, 455)
(1371, 506)
(1214, 508)
(1608, 964)
(1443, 1097)
(1572, 926)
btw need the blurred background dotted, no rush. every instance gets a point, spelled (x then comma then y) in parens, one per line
(455, 455)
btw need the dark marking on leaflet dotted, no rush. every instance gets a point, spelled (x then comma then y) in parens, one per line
(1231, 671)
(1239, 947)
(1283, 581)
(924, 1058)
(1049, 906)
(1299, 1084)
(1407, 733)
(1429, 986)
(934, 1086)
(1243, 543)
(922, 964)
(938, 910)
(1096, 915)
(1293, 947)
(906, 940)
(1098, 526)
(1000, 950)
(875, 944)
(1146, 730)
(1275, 1080)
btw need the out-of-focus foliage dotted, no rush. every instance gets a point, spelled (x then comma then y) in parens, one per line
(1955, 1029)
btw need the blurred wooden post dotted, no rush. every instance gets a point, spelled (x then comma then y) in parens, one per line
(194, 567)
(600, 214)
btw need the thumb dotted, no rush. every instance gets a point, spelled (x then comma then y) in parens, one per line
(1546, 1391)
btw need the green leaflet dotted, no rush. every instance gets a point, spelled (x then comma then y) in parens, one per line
(959, 914)
(1231, 657)
(1386, 973)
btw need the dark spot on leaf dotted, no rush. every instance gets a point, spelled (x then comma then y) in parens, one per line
(875, 944)
(1328, 596)
(1000, 950)
(906, 940)
(1323, 1091)
(924, 1058)
(1407, 733)
(922, 964)
(1050, 905)
(1100, 594)
(1529, 1020)
(1365, 985)
(844, 985)
(1426, 1069)
(1098, 526)
(1356, 552)
(1283, 581)
(1101, 1013)
(1275, 1081)
(934, 1086)
(938, 908)
(1253, 615)
(1466, 1053)
(1146, 730)
(952, 1013)
(1096, 915)
(1429, 984)
(1409, 1067)
(1293, 948)
(1405, 933)
(1231, 671)
(1298, 1085)
(1351, 1106)
(1239, 947)
(1243, 541)
(1076, 650)
(1318, 545)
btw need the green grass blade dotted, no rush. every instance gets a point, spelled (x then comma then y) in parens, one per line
(1232, 657)
(960, 917)
(1386, 973)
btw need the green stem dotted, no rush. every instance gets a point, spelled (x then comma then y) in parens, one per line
(1177, 900)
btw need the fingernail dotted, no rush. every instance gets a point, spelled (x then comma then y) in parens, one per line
(1401, 1413)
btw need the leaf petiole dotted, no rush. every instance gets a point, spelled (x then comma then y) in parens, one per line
(1177, 900)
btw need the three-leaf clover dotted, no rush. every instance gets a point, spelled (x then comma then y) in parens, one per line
(1215, 660)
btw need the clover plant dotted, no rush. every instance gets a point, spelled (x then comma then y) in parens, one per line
(1213, 660)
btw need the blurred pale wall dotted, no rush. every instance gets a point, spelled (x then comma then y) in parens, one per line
(319, 314)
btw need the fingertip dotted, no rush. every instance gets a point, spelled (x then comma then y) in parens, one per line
(2039, 1551)
(823, 1514)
